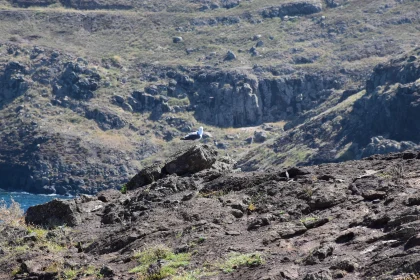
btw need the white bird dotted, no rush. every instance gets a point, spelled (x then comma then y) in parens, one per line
(194, 135)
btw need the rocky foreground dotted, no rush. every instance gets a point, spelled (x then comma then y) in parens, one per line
(196, 217)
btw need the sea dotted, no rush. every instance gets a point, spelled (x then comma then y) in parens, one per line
(27, 200)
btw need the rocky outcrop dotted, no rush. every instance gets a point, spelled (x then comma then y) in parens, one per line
(185, 162)
(145, 177)
(191, 161)
(380, 145)
(77, 81)
(13, 81)
(404, 70)
(389, 107)
(233, 99)
(105, 119)
(323, 222)
(97, 4)
(293, 9)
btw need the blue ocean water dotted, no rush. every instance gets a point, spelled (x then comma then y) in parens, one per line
(27, 199)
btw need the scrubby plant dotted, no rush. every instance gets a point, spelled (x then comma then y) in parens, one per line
(236, 260)
(124, 189)
(159, 262)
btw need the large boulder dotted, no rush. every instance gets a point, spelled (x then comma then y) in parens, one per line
(193, 160)
(54, 213)
(145, 177)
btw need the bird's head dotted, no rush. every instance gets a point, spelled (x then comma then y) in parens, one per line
(200, 131)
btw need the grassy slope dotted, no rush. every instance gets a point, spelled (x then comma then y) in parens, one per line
(141, 36)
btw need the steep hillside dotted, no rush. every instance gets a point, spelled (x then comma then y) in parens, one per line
(92, 91)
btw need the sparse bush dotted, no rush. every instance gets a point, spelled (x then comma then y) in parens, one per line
(397, 171)
(124, 189)
(11, 215)
(159, 262)
(236, 260)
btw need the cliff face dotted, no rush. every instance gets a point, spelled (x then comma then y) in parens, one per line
(232, 99)
(112, 90)
(320, 222)
(387, 108)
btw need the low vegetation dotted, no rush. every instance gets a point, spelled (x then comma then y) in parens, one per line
(159, 262)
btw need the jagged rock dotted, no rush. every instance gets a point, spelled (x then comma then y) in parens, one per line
(77, 82)
(191, 161)
(259, 44)
(319, 254)
(106, 271)
(257, 223)
(260, 136)
(293, 9)
(230, 56)
(145, 177)
(372, 195)
(13, 81)
(289, 229)
(228, 4)
(321, 199)
(105, 118)
(380, 145)
(320, 275)
(314, 223)
(54, 213)
(346, 264)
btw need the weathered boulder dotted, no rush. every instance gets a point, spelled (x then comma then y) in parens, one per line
(230, 55)
(54, 213)
(320, 275)
(193, 160)
(260, 136)
(145, 177)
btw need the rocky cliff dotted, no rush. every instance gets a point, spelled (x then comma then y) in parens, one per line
(93, 91)
(381, 118)
(352, 220)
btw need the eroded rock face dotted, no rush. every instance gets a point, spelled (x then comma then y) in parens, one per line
(77, 81)
(13, 81)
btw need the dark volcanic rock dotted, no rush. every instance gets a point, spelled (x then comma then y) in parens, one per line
(191, 161)
(293, 9)
(145, 177)
(55, 213)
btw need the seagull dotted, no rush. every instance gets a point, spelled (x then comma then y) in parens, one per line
(194, 135)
